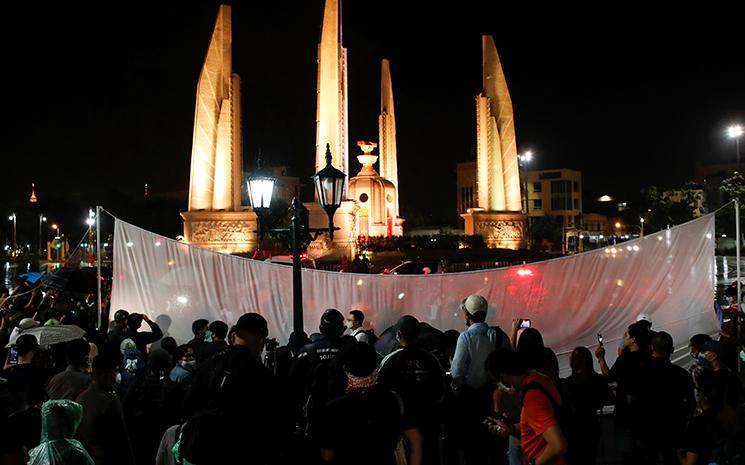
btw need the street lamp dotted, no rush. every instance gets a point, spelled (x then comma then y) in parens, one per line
(56, 229)
(42, 219)
(641, 228)
(260, 189)
(735, 132)
(329, 184)
(523, 160)
(12, 218)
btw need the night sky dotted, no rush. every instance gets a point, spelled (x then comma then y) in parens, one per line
(101, 98)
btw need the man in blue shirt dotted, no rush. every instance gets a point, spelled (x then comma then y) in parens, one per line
(471, 382)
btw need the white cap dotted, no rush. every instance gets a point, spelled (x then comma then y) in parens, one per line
(27, 323)
(643, 316)
(475, 303)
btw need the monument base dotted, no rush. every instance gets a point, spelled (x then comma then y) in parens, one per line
(499, 229)
(345, 239)
(222, 231)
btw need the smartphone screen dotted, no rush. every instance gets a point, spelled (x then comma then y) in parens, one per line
(525, 324)
(600, 338)
(13, 356)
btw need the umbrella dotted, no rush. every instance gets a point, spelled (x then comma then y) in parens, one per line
(82, 280)
(430, 339)
(31, 277)
(48, 335)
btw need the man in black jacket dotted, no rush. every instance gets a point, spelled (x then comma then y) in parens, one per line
(243, 395)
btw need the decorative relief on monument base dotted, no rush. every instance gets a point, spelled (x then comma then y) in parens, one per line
(227, 232)
(504, 230)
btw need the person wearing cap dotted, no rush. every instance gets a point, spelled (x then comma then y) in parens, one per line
(471, 381)
(25, 375)
(245, 393)
(723, 376)
(102, 429)
(417, 376)
(312, 371)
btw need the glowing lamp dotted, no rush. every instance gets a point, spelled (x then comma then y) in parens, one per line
(329, 184)
(735, 131)
(524, 272)
(260, 189)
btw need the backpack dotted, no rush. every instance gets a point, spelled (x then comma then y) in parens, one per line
(371, 337)
(206, 435)
(564, 417)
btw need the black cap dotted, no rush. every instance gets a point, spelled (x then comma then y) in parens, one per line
(252, 323)
(26, 343)
(332, 317)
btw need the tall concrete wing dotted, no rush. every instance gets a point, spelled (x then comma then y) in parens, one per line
(331, 104)
(387, 129)
(495, 88)
(217, 156)
(490, 193)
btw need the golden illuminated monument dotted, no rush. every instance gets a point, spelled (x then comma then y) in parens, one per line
(387, 134)
(498, 215)
(215, 218)
(331, 128)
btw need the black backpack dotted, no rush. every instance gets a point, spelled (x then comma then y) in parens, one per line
(563, 414)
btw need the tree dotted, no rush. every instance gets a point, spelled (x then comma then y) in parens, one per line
(731, 188)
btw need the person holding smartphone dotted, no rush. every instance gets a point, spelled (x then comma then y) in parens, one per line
(20, 372)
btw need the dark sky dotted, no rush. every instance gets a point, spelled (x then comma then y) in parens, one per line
(100, 97)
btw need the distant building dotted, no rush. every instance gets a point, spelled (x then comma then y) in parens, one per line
(556, 193)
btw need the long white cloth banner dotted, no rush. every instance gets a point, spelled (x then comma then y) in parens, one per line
(669, 275)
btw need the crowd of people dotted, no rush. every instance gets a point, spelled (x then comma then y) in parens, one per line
(129, 395)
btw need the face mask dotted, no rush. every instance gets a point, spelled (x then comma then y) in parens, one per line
(188, 364)
(118, 378)
(348, 324)
(208, 335)
(742, 355)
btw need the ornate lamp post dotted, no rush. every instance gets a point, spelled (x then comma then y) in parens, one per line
(260, 190)
(329, 184)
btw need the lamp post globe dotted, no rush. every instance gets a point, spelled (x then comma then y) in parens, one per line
(329, 185)
(735, 132)
(260, 186)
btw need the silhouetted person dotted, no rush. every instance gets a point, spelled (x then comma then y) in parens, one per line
(142, 338)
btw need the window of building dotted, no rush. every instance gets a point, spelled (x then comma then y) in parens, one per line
(538, 204)
(576, 204)
(561, 195)
(536, 187)
(576, 186)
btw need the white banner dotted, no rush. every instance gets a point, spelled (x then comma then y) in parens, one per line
(669, 276)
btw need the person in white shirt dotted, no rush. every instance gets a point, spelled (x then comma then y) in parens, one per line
(355, 318)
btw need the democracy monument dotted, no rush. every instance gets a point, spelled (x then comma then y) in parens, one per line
(217, 220)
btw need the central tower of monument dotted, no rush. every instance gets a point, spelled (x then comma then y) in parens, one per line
(215, 218)
(331, 128)
(498, 216)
